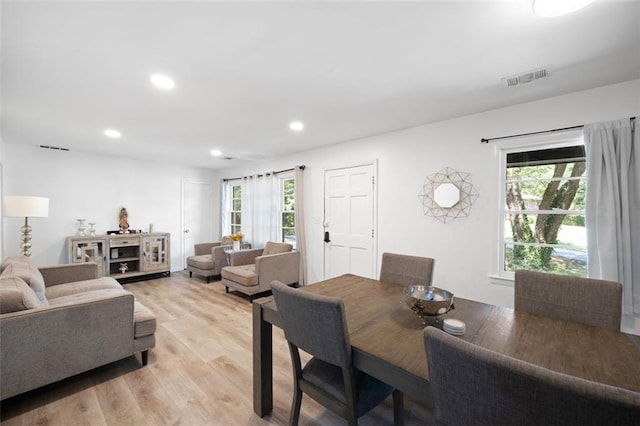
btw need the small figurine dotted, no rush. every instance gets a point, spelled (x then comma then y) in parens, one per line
(124, 224)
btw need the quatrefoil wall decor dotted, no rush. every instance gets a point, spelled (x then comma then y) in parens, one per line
(448, 195)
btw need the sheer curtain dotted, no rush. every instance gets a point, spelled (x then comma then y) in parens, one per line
(613, 206)
(301, 243)
(225, 203)
(260, 206)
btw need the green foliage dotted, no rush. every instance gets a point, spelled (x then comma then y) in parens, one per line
(289, 194)
(237, 191)
(539, 184)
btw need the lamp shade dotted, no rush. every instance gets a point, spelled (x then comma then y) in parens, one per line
(23, 206)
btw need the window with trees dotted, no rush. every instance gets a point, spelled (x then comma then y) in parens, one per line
(288, 215)
(543, 222)
(236, 209)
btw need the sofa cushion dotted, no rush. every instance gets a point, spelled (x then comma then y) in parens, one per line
(274, 248)
(144, 320)
(21, 266)
(204, 261)
(243, 274)
(16, 295)
(68, 289)
(87, 296)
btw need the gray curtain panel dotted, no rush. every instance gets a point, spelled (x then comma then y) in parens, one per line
(613, 206)
(301, 240)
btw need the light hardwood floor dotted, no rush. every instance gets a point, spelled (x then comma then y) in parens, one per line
(199, 373)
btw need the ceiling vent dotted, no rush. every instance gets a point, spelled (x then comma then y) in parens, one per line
(55, 148)
(526, 77)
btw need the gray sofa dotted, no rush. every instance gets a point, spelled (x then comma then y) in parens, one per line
(63, 320)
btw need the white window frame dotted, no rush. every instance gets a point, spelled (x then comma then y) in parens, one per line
(231, 210)
(283, 178)
(501, 149)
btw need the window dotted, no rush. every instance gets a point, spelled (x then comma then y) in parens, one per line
(236, 209)
(543, 199)
(288, 215)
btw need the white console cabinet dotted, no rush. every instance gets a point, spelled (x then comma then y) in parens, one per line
(123, 256)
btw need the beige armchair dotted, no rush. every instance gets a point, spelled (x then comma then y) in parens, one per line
(209, 258)
(252, 271)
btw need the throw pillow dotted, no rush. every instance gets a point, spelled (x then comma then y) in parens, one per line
(16, 295)
(14, 259)
(30, 274)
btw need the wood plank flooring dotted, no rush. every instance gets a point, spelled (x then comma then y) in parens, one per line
(199, 373)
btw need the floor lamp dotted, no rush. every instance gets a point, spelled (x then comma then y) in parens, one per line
(20, 206)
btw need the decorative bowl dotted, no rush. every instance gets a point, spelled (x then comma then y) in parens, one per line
(428, 301)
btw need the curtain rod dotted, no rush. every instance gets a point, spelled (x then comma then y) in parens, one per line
(486, 140)
(260, 175)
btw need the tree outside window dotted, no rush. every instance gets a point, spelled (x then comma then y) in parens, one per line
(544, 223)
(288, 216)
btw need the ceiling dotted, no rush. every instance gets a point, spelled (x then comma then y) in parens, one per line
(244, 70)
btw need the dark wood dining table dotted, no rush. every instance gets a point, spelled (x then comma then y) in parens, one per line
(387, 340)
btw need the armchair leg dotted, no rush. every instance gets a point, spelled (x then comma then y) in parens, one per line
(190, 274)
(208, 280)
(145, 357)
(226, 289)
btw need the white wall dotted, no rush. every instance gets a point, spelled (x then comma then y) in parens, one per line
(463, 249)
(94, 188)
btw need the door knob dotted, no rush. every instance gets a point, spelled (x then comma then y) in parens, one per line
(186, 231)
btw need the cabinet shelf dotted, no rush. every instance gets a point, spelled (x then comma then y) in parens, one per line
(123, 259)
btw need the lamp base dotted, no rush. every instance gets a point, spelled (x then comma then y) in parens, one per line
(26, 238)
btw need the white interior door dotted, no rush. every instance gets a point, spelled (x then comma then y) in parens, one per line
(349, 221)
(197, 216)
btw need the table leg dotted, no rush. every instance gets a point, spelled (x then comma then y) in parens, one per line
(262, 363)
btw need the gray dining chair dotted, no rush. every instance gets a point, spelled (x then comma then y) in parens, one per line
(472, 385)
(317, 325)
(406, 270)
(584, 300)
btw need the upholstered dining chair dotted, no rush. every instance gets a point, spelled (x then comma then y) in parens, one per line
(583, 300)
(406, 270)
(317, 325)
(472, 385)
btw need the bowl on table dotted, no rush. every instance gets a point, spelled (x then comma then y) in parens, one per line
(428, 301)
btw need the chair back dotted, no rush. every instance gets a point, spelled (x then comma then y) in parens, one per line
(314, 323)
(226, 241)
(473, 385)
(583, 300)
(203, 248)
(274, 248)
(406, 270)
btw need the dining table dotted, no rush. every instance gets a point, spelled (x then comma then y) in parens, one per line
(387, 339)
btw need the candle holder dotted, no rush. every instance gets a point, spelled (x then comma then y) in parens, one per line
(81, 227)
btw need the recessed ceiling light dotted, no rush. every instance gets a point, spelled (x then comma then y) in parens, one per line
(296, 126)
(549, 8)
(162, 81)
(113, 134)
(216, 152)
